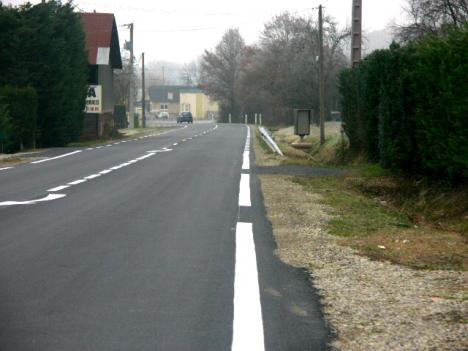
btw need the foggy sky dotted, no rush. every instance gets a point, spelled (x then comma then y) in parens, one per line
(181, 30)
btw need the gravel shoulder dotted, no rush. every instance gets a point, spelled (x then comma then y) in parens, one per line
(369, 305)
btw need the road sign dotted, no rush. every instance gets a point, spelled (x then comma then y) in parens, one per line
(94, 99)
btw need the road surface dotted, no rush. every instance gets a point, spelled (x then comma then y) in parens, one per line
(157, 243)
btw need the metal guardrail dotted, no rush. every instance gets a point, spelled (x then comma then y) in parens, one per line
(269, 140)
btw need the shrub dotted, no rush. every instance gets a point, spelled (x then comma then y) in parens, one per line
(22, 110)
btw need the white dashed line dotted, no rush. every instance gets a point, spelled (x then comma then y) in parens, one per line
(76, 182)
(248, 323)
(58, 188)
(244, 190)
(92, 176)
(5, 168)
(246, 161)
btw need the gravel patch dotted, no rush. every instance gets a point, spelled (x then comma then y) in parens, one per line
(370, 305)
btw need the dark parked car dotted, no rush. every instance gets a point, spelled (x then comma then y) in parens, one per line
(185, 117)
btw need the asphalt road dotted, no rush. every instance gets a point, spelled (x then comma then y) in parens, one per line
(159, 243)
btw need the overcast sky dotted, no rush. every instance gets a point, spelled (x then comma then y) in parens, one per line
(181, 30)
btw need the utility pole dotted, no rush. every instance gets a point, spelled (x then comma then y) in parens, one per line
(143, 97)
(321, 79)
(131, 108)
(356, 33)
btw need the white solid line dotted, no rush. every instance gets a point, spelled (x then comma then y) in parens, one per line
(125, 164)
(56, 157)
(98, 147)
(76, 182)
(244, 190)
(246, 161)
(59, 188)
(5, 168)
(92, 176)
(105, 171)
(49, 197)
(248, 322)
(89, 148)
(175, 144)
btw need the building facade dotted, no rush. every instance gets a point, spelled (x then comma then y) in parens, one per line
(177, 99)
(102, 44)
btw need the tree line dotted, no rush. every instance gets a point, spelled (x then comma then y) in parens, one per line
(277, 74)
(43, 75)
(407, 106)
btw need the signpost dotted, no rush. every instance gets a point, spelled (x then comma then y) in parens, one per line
(302, 123)
(94, 99)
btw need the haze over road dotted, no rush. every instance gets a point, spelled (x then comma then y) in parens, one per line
(158, 243)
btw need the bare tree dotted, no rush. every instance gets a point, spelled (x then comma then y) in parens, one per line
(431, 17)
(220, 70)
(190, 74)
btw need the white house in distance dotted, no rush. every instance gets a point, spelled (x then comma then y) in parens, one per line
(175, 99)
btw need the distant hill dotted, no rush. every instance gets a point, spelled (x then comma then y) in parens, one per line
(378, 39)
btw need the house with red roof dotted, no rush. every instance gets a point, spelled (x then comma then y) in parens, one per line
(102, 44)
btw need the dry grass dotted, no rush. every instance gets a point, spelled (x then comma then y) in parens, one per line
(379, 230)
(318, 155)
(384, 217)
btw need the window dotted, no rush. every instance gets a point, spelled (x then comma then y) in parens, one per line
(170, 96)
(164, 107)
(185, 107)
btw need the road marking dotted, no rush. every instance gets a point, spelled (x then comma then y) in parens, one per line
(5, 168)
(98, 147)
(56, 157)
(49, 197)
(79, 181)
(58, 188)
(244, 190)
(248, 322)
(105, 171)
(89, 148)
(246, 161)
(92, 176)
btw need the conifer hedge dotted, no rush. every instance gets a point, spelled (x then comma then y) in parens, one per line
(43, 47)
(407, 106)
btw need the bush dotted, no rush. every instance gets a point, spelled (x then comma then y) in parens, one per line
(407, 107)
(22, 111)
(120, 116)
(5, 126)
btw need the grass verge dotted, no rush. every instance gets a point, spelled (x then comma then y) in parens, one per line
(408, 222)
(381, 228)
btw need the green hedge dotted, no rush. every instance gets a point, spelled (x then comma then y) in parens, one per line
(20, 122)
(407, 107)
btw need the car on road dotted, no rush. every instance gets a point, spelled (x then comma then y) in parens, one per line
(185, 117)
(162, 115)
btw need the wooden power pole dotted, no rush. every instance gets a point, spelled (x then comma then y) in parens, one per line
(131, 108)
(143, 97)
(321, 79)
(356, 33)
